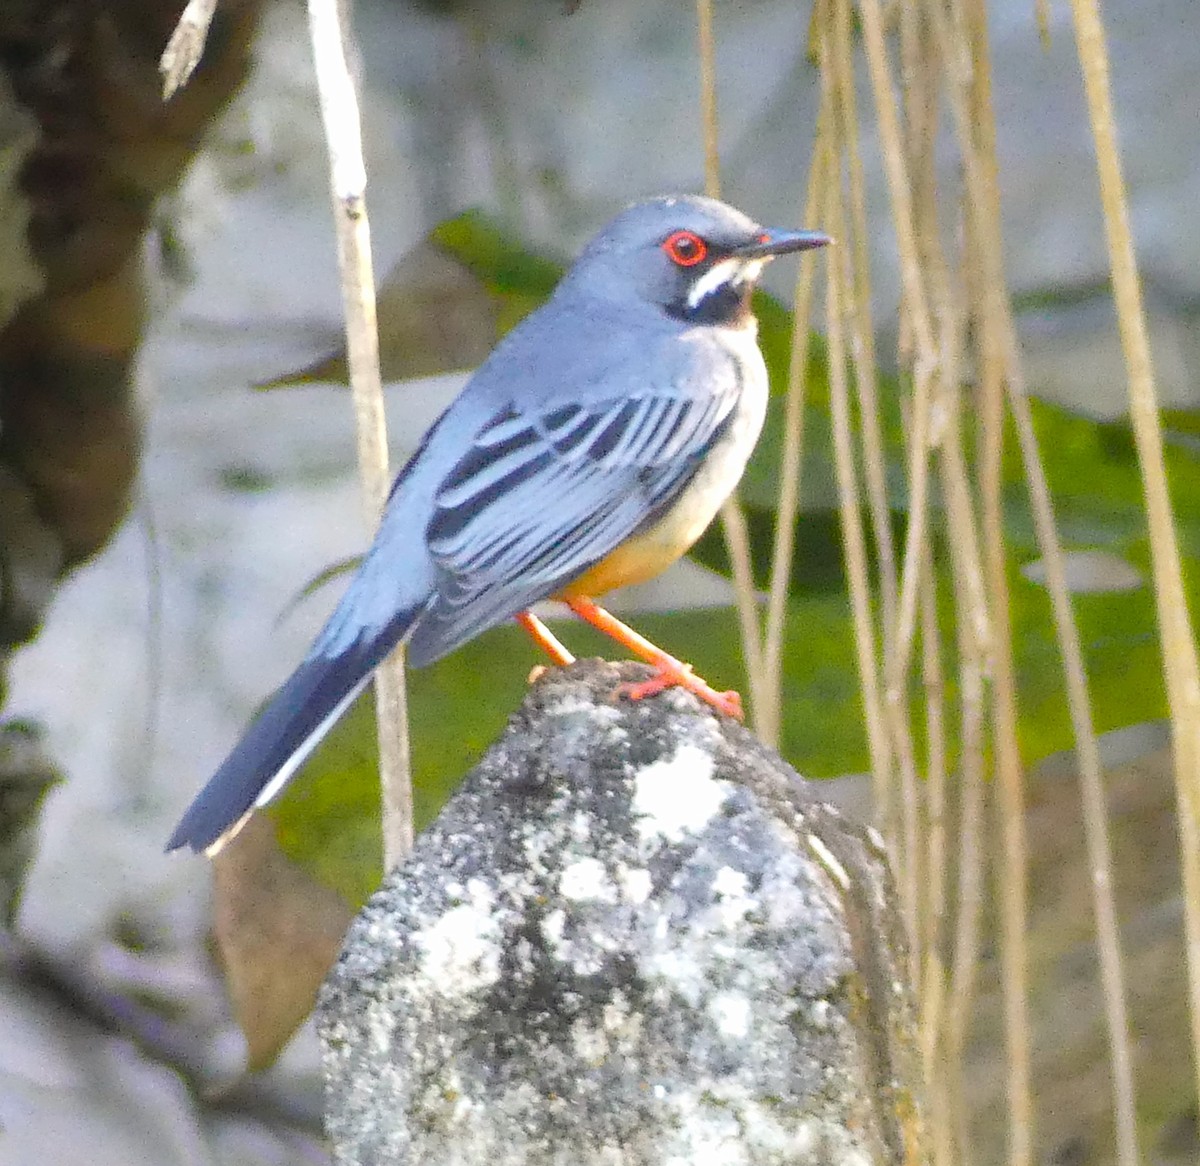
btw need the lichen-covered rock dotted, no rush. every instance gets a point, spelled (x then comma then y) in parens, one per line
(633, 937)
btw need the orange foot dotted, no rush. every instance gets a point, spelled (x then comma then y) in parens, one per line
(670, 673)
(729, 703)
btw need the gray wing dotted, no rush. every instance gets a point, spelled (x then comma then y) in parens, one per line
(539, 498)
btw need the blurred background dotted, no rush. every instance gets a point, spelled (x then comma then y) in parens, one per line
(153, 315)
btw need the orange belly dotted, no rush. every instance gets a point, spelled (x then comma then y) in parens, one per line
(652, 551)
(634, 561)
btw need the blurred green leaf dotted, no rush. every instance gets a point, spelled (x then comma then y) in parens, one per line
(502, 263)
(323, 577)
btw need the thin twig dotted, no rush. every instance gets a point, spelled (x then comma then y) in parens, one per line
(768, 715)
(339, 108)
(1014, 954)
(924, 361)
(933, 980)
(186, 46)
(75, 986)
(976, 139)
(863, 339)
(706, 46)
(733, 520)
(853, 538)
(1178, 641)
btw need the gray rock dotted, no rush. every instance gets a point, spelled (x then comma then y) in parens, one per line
(632, 937)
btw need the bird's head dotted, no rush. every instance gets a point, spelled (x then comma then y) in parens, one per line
(694, 259)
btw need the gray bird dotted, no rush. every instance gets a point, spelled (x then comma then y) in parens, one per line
(589, 451)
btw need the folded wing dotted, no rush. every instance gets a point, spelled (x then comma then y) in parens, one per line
(538, 499)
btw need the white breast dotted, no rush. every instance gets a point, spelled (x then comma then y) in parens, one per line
(718, 477)
(656, 548)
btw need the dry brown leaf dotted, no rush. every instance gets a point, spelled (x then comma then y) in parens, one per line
(278, 931)
(434, 317)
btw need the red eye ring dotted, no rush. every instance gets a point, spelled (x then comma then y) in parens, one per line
(685, 248)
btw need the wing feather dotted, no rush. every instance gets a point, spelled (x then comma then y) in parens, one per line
(538, 499)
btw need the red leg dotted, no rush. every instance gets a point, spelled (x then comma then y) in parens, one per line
(545, 639)
(671, 672)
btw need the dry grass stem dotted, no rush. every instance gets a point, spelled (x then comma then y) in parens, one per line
(1012, 850)
(186, 46)
(973, 640)
(1013, 909)
(971, 858)
(767, 719)
(339, 108)
(863, 337)
(737, 539)
(976, 143)
(930, 939)
(943, 61)
(733, 520)
(706, 46)
(1178, 640)
(908, 853)
(924, 358)
(849, 505)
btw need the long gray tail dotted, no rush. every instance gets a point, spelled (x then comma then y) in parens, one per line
(337, 668)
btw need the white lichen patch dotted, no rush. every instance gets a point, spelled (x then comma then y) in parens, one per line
(586, 880)
(581, 826)
(590, 1044)
(570, 704)
(731, 892)
(460, 951)
(635, 884)
(708, 1135)
(681, 972)
(730, 1126)
(444, 1094)
(622, 1023)
(730, 1012)
(552, 931)
(677, 796)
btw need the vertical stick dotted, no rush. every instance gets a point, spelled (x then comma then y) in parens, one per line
(708, 97)
(837, 296)
(733, 521)
(1178, 641)
(767, 716)
(348, 181)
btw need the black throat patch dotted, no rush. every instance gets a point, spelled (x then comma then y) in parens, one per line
(727, 304)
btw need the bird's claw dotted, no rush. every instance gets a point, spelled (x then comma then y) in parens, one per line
(729, 703)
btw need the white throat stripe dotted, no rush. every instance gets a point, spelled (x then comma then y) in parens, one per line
(731, 271)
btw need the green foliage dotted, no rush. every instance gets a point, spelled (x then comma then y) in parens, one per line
(517, 277)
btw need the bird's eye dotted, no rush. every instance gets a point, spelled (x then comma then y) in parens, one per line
(685, 248)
